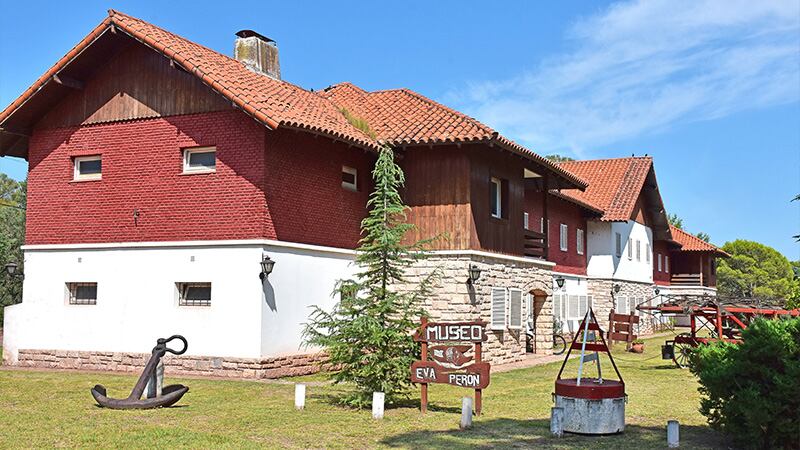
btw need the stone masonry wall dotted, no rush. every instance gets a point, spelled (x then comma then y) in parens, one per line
(603, 302)
(277, 367)
(453, 299)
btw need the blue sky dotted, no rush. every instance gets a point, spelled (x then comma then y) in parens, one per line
(711, 89)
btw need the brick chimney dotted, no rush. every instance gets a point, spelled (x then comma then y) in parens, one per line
(259, 53)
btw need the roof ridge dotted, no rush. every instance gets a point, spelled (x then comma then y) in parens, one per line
(622, 158)
(432, 102)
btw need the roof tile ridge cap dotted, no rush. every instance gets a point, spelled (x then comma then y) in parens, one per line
(618, 158)
(59, 64)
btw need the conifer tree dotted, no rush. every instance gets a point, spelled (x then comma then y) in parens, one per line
(367, 335)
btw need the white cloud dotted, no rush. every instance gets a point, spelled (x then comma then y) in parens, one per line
(640, 67)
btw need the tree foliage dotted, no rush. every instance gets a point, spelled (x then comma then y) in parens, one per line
(675, 221)
(755, 270)
(367, 335)
(559, 158)
(750, 390)
(13, 200)
(703, 236)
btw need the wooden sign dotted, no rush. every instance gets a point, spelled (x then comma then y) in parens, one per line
(474, 376)
(451, 332)
(450, 363)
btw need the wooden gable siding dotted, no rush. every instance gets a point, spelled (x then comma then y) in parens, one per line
(437, 192)
(134, 83)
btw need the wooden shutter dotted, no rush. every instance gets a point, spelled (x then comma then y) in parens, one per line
(515, 310)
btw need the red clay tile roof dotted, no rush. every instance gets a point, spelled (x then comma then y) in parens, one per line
(614, 184)
(403, 117)
(272, 102)
(692, 243)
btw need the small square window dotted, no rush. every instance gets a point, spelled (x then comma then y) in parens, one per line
(200, 160)
(88, 168)
(194, 294)
(350, 178)
(82, 293)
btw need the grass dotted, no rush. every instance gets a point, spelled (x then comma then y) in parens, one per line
(55, 409)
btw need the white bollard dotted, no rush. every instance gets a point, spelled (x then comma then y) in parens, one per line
(673, 434)
(299, 396)
(557, 421)
(466, 413)
(377, 405)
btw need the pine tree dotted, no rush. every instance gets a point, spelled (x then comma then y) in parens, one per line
(367, 335)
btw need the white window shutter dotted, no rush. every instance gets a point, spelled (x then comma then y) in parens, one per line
(574, 307)
(498, 308)
(515, 310)
(582, 306)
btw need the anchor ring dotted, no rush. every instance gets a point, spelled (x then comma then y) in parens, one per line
(172, 338)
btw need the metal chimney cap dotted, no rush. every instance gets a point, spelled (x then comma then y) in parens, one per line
(251, 33)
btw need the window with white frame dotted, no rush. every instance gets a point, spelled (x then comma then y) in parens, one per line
(618, 238)
(647, 254)
(515, 309)
(82, 293)
(88, 168)
(659, 262)
(666, 263)
(349, 178)
(499, 308)
(621, 305)
(633, 302)
(579, 241)
(194, 294)
(496, 197)
(562, 237)
(571, 307)
(525, 220)
(630, 248)
(200, 160)
(547, 232)
(638, 250)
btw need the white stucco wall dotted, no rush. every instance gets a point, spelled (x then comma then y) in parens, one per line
(137, 297)
(602, 256)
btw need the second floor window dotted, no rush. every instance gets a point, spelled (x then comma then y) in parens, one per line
(562, 237)
(200, 160)
(496, 197)
(526, 220)
(659, 262)
(88, 168)
(618, 238)
(647, 254)
(666, 263)
(630, 248)
(349, 178)
(638, 250)
(579, 241)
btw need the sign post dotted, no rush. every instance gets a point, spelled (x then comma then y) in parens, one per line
(450, 361)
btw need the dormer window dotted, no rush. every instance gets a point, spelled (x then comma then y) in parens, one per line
(88, 168)
(200, 160)
(350, 178)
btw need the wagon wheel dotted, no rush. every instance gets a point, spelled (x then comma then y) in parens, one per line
(681, 352)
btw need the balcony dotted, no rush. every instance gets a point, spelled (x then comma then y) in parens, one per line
(687, 279)
(535, 244)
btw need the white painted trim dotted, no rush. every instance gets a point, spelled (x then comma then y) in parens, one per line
(76, 164)
(670, 289)
(188, 152)
(200, 244)
(571, 275)
(354, 172)
(485, 254)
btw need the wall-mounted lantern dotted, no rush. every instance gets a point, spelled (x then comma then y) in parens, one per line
(474, 274)
(11, 270)
(560, 282)
(267, 264)
(656, 290)
(615, 289)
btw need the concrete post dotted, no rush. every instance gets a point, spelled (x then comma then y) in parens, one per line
(673, 434)
(557, 421)
(466, 413)
(377, 405)
(299, 396)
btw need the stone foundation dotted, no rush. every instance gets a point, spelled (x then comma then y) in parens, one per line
(453, 299)
(603, 301)
(251, 368)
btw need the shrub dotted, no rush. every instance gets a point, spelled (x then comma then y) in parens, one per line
(751, 390)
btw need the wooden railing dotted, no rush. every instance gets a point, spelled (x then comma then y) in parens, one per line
(535, 243)
(685, 279)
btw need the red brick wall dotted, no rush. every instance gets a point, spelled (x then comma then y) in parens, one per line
(559, 212)
(279, 184)
(662, 278)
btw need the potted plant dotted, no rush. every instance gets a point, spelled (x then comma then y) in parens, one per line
(637, 346)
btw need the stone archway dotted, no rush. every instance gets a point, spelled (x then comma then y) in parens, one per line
(541, 317)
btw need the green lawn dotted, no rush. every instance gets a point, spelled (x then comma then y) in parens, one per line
(50, 409)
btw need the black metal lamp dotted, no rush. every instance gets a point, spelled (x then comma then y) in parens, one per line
(267, 264)
(560, 282)
(474, 274)
(11, 270)
(615, 289)
(656, 290)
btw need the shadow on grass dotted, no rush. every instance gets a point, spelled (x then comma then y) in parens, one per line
(515, 433)
(336, 400)
(665, 367)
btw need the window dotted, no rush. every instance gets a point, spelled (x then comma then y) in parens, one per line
(349, 178)
(498, 308)
(562, 237)
(88, 168)
(630, 248)
(515, 309)
(547, 233)
(525, 220)
(621, 305)
(200, 160)
(666, 263)
(647, 254)
(496, 192)
(638, 250)
(571, 307)
(194, 294)
(619, 244)
(579, 241)
(659, 262)
(82, 293)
